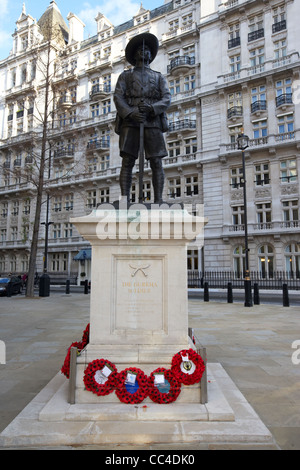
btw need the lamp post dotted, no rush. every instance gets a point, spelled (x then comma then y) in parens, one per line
(243, 143)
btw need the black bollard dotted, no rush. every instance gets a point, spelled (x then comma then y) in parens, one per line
(68, 286)
(8, 289)
(256, 294)
(229, 293)
(206, 293)
(285, 295)
(44, 287)
(86, 286)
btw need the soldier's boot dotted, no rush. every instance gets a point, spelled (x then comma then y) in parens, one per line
(158, 179)
(126, 176)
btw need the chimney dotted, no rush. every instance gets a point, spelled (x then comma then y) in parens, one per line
(76, 28)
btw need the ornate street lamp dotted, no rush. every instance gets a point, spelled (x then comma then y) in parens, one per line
(243, 143)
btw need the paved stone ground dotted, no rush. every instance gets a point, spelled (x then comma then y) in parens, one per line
(254, 345)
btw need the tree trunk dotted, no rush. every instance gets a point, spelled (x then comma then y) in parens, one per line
(37, 218)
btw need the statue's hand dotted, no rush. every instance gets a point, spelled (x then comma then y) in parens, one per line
(138, 116)
(145, 108)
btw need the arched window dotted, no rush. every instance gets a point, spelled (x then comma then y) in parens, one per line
(2, 264)
(266, 261)
(239, 261)
(292, 260)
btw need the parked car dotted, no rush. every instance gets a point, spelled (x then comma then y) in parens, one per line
(13, 282)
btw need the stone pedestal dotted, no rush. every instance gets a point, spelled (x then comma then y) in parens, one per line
(138, 311)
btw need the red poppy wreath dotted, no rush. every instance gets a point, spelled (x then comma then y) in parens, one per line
(188, 366)
(79, 345)
(66, 365)
(132, 385)
(99, 377)
(163, 386)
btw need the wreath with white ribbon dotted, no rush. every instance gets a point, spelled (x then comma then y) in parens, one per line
(188, 366)
(163, 386)
(100, 376)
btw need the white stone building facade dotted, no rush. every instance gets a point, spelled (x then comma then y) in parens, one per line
(232, 66)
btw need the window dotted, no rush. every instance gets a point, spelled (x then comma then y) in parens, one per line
(234, 36)
(104, 195)
(280, 49)
(106, 107)
(238, 216)
(4, 211)
(284, 92)
(190, 145)
(174, 149)
(59, 262)
(235, 63)
(234, 132)
(91, 199)
(292, 259)
(288, 171)
(279, 19)
(263, 214)
(235, 104)
(193, 260)
(15, 210)
(13, 263)
(174, 186)
(24, 263)
(72, 116)
(256, 28)
(174, 25)
(69, 202)
(187, 20)
(291, 213)
(3, 234)
(191, 185)
(57, 204)
(262, 175)
(266, 261)
(236, 177)
(258, 98)
(104, 162)
(174, 86)
(239, 261)
(257, 58)
(56, 230)
(189, 51)
(189, 83)
(2, 264)
(286, 124)
(95, 110)
(14, 233)
(68, 230)
(147, 191)
(260, 129)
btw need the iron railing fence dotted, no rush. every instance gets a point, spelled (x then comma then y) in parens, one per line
(220, 279)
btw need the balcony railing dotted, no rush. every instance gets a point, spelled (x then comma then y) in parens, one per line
(234, 111)
(99, 90)
(234, 42)
(64, 152)
(182, 124)
(98, 144)
(259, 105)
(279, 26)
(285, 98)
(180, 61)
(259, 33)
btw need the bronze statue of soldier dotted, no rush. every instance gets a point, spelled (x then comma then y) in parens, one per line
(141, 98)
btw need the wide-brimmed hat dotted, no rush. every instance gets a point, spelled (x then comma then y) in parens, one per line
(149, 40)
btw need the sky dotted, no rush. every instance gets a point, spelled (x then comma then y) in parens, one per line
(117, 11)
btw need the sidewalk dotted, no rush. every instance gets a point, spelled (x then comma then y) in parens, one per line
(254, 345)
